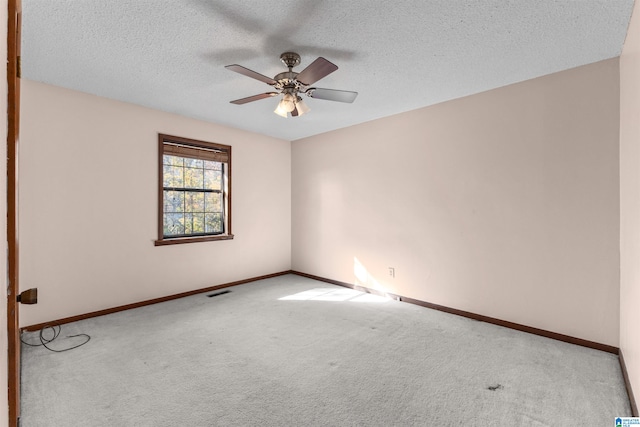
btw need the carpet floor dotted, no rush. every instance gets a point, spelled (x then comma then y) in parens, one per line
(290, 351)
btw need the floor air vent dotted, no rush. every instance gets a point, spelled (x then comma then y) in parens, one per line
(217, 293)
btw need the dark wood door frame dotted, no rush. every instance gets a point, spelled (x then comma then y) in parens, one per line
(13, 127)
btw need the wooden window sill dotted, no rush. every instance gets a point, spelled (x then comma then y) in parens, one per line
(180, 240)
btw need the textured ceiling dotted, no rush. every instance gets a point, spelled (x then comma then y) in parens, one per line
(401, 55)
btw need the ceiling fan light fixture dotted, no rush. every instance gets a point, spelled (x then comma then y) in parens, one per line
(280, 111)
(286, 105)
(288, 102)
(301, 106)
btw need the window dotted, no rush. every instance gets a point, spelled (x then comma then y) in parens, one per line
(195, 191)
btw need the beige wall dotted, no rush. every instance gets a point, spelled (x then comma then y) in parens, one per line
(4, 414)
(88, 214)
(630, 201)
(503, 203)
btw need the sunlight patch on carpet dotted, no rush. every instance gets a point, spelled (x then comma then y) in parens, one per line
(331, 294)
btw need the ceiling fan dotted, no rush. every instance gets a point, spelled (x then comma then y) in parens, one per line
(291, 85)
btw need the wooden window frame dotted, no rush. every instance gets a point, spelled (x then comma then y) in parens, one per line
(225, 153)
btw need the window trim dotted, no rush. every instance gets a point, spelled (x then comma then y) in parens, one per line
(228, 235)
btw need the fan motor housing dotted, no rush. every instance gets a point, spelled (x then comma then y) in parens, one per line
(286, 79)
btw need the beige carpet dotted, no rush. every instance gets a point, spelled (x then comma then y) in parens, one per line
(290, 351)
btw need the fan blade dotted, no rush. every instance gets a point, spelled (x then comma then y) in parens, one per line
(294, 113)
(250, 73)
(332, 94)
(254, 98)
(317, 70)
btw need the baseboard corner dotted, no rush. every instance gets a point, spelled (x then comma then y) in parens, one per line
(627, 383)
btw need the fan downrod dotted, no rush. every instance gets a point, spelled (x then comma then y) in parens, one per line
(290, 59)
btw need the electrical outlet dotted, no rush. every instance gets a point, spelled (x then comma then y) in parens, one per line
(392, 272)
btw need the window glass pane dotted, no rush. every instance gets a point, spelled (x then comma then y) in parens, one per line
(173, 201)
(193, 178)
(212, 202)
(172, 160)
(194, 201)
(198, 222)
(194, 223)
(213, 223)
(172, 176)
(193, 163)
(212, 180)
(173, 224)
(188, 222)
(208, 164)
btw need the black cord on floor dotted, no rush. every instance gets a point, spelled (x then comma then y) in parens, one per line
(56, 333)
